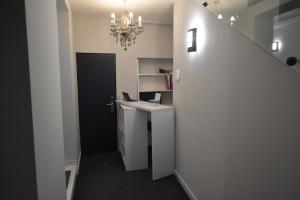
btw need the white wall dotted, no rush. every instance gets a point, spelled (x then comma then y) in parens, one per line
(237, 114)
(42, 33)
(68, 84)
(92, 34)
(246, 23)
(74, 80)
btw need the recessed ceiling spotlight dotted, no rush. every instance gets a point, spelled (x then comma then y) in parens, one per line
(232, 20)
(220, 16)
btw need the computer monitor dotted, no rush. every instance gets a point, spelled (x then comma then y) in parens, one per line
(127, 97)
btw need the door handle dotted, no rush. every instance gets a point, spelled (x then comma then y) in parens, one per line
(111, 104)
(112, 107)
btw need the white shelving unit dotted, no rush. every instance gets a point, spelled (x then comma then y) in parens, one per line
(150, 80)
(156, 90)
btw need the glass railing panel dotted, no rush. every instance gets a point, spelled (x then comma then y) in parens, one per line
(274, 25)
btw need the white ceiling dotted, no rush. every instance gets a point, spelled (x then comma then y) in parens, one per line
(152, 11)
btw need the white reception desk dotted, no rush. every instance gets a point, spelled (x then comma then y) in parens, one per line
(132, 121)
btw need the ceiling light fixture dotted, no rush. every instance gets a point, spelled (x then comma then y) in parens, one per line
(217, 2)
(232, 20)
(126, 31)
(205, 4)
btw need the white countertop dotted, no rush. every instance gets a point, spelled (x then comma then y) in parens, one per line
(147, 106)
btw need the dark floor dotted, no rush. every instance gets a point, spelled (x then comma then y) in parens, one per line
(68, 174)
(102, 177)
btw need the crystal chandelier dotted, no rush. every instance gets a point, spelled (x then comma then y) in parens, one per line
(126, 30)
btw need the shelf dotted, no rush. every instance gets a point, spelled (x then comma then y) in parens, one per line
(154, 74)
(156, 91)
(144, 58)
(151, 81)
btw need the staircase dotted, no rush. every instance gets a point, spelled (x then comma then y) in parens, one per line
(273, 25)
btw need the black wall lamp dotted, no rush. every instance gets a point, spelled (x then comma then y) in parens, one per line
(291, 61)
(192, 40)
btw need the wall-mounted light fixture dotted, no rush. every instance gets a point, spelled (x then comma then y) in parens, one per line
(192, 40)
(275, 46)
(291, 61)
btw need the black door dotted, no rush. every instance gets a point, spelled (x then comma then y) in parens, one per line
(97, 90)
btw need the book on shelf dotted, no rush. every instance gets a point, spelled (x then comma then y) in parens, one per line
(169, 82)
(168, 78)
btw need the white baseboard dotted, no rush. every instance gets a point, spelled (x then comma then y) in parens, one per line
(72, 181)
(185, 186)
(73, 166)
(70, 163)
